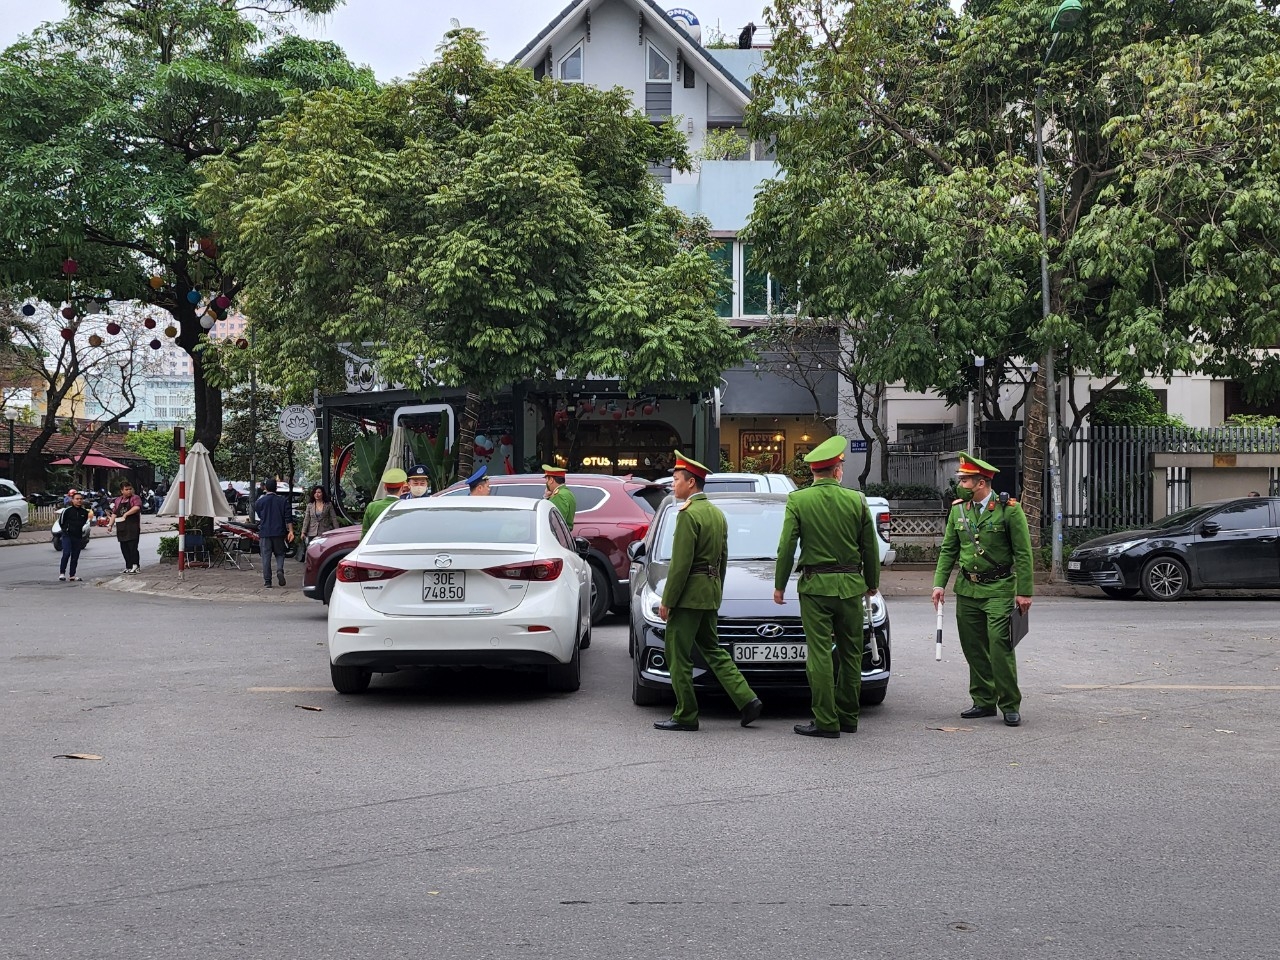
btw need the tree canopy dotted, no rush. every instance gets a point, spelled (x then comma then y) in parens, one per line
(470, 227)
(908, 213)
(105, 121)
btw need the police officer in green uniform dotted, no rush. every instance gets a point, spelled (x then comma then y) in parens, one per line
(559, 494)
(393, 481)
(839, 562)
(691, 600)
(988, 535)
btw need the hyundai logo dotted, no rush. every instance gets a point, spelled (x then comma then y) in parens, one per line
(770, 630)
(444, 560)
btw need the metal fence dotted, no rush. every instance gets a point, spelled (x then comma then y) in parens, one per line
(916, 461)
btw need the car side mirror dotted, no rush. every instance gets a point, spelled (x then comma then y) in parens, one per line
(1209, 528)
(582, 545)
(636, 551)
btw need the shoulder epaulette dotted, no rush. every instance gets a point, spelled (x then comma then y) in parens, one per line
(957, 500)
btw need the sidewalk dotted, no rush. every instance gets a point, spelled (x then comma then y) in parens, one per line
(150, 524)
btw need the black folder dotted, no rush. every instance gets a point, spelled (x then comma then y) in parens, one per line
(1019, 624)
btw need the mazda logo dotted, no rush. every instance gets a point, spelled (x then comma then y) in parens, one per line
(770, 630)
(444, 560)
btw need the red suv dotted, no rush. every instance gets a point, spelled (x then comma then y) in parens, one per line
(612, 513)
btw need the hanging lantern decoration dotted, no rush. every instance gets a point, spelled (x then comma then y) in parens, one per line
(648, 409)
(69, 312)
(208, 246)
(156, 281)
(95, 340)
(193, 296)
(155, 344)
(242, 343)
(207, 321)
(69, 266)
(113, 328)
(588, 406)
(67, 333)
(562, 416)
(171, 331)
(93, 306)
(149, 323)
(28, 310)
(222, 301)
(631, 411)
(507, 440)
(617, 414)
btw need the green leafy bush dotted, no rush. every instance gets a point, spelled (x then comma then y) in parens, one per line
(903, 491)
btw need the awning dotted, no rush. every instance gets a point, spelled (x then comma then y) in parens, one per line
(92, 460)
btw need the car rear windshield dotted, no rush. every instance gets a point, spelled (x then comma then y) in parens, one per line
(586, 498)
(462, 525)
(754, 529)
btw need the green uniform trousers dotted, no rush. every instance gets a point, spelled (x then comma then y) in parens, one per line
(689, 628)
(983, 625)
(835, 699)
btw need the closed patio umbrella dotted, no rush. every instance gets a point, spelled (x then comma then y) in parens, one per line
(204, 490)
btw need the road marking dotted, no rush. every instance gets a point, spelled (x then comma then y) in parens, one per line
(289, 689)
(1168, 686)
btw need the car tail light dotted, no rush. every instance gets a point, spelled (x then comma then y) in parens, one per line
(537, 570)
(353, 571)
(638, 530)
(883, 524)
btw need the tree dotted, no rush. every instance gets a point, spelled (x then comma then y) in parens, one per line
(473, 227)
(908, 211)
(157, 447)
(105, 121)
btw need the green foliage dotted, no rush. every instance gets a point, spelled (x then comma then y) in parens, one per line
(915, 552)
(472, 227)
(1253, 420)
(369, 461)
(105, 121)
(432, 452)
(1135, 406)
(157, 447)
(168, 548)
(724, 144)
(903, 491)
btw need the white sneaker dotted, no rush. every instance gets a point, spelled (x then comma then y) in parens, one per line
(62, 576)
(74, 579)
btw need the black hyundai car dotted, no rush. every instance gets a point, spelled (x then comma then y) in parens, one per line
(1225, 544)
(766, 641)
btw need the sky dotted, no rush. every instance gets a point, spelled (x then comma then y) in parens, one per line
(395, 37)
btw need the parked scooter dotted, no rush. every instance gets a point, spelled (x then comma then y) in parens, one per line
(56, 533)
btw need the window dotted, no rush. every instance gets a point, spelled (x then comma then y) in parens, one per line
(571, 66)
(659, 66)
(561, 530)
(755, 287)
(689, 80)
(462, 525)
(1243, 516)
(722, 255)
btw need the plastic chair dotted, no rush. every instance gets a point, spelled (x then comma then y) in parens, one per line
(196, 552)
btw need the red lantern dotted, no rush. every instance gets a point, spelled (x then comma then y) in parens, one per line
(617, 414)
(113, 328)
(69, 312)
(67, 333)
(562, 416)
(506, 439)
(149, 323)
(648, 409)
(69, 266)
(588, 406)
(242, 343)
(222, 301)
(631, 411)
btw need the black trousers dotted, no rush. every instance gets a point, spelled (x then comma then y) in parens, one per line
(129, 550)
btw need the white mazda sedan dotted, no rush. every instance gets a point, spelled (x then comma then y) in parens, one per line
(462, 581)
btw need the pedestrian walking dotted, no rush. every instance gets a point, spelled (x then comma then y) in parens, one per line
(691, 600)
(393, 481)
(275, 529)
(318, 518)
(987, 536)
(126, 520)
(559, 494)
(478, 483)
(73, 521)
(839, 564)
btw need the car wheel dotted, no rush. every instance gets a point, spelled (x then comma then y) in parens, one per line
(13, 527)
(57, 544)
(350, 679)
(329, 581)
(1164, 578)
(873, 696)
(601, 594)
(566, 677)
(641, 695)
(1120, 593)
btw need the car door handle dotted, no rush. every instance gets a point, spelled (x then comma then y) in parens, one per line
(1266, 539)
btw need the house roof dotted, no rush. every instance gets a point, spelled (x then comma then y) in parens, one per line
(661, 22)
(70, 444)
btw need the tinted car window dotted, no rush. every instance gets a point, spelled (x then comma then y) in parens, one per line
(7, 491)
(465, 525)
(560, 529)
(1243, 516)
(587, 497)
(754, 529)
(728, 486)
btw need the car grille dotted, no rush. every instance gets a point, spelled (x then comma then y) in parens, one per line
(745, 631)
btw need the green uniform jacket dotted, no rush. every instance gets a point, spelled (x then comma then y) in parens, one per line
(566, 503)
(832, 524)
(373, 511)
(701, 543)
(985, 539)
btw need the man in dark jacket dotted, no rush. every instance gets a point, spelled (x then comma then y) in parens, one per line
(275, 529)
(73, 521)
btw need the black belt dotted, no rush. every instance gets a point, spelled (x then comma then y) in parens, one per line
(706, 570)
(988, 576)
(811, 569)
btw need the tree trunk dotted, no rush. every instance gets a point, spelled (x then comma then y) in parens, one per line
(1034, 438)
(208, 398)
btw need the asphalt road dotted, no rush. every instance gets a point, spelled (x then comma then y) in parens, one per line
(474, 815)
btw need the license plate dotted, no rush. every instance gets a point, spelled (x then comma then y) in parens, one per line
(770, 652)
(447, 585)
(1073, 564)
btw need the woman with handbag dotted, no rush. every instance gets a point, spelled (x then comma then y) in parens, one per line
(318, 518)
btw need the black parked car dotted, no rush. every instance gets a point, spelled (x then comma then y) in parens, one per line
(1225, 544)
(766, 641)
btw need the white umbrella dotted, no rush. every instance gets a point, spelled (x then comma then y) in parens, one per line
(394, 459)
(204, 490)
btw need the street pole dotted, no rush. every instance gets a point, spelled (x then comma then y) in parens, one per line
(253, 428)
(1066, 16)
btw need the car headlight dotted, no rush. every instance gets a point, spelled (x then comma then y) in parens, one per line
(1115, 549)
(649, 603)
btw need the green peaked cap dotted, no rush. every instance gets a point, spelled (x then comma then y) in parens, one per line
(973, 467)
(827, 451)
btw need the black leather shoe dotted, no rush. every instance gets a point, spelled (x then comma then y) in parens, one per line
(848, 728)
(1012, 718)
(813, 730)
(674, 725)
(280, 579)
(267, 584)
(976, 711)
(751, 712)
